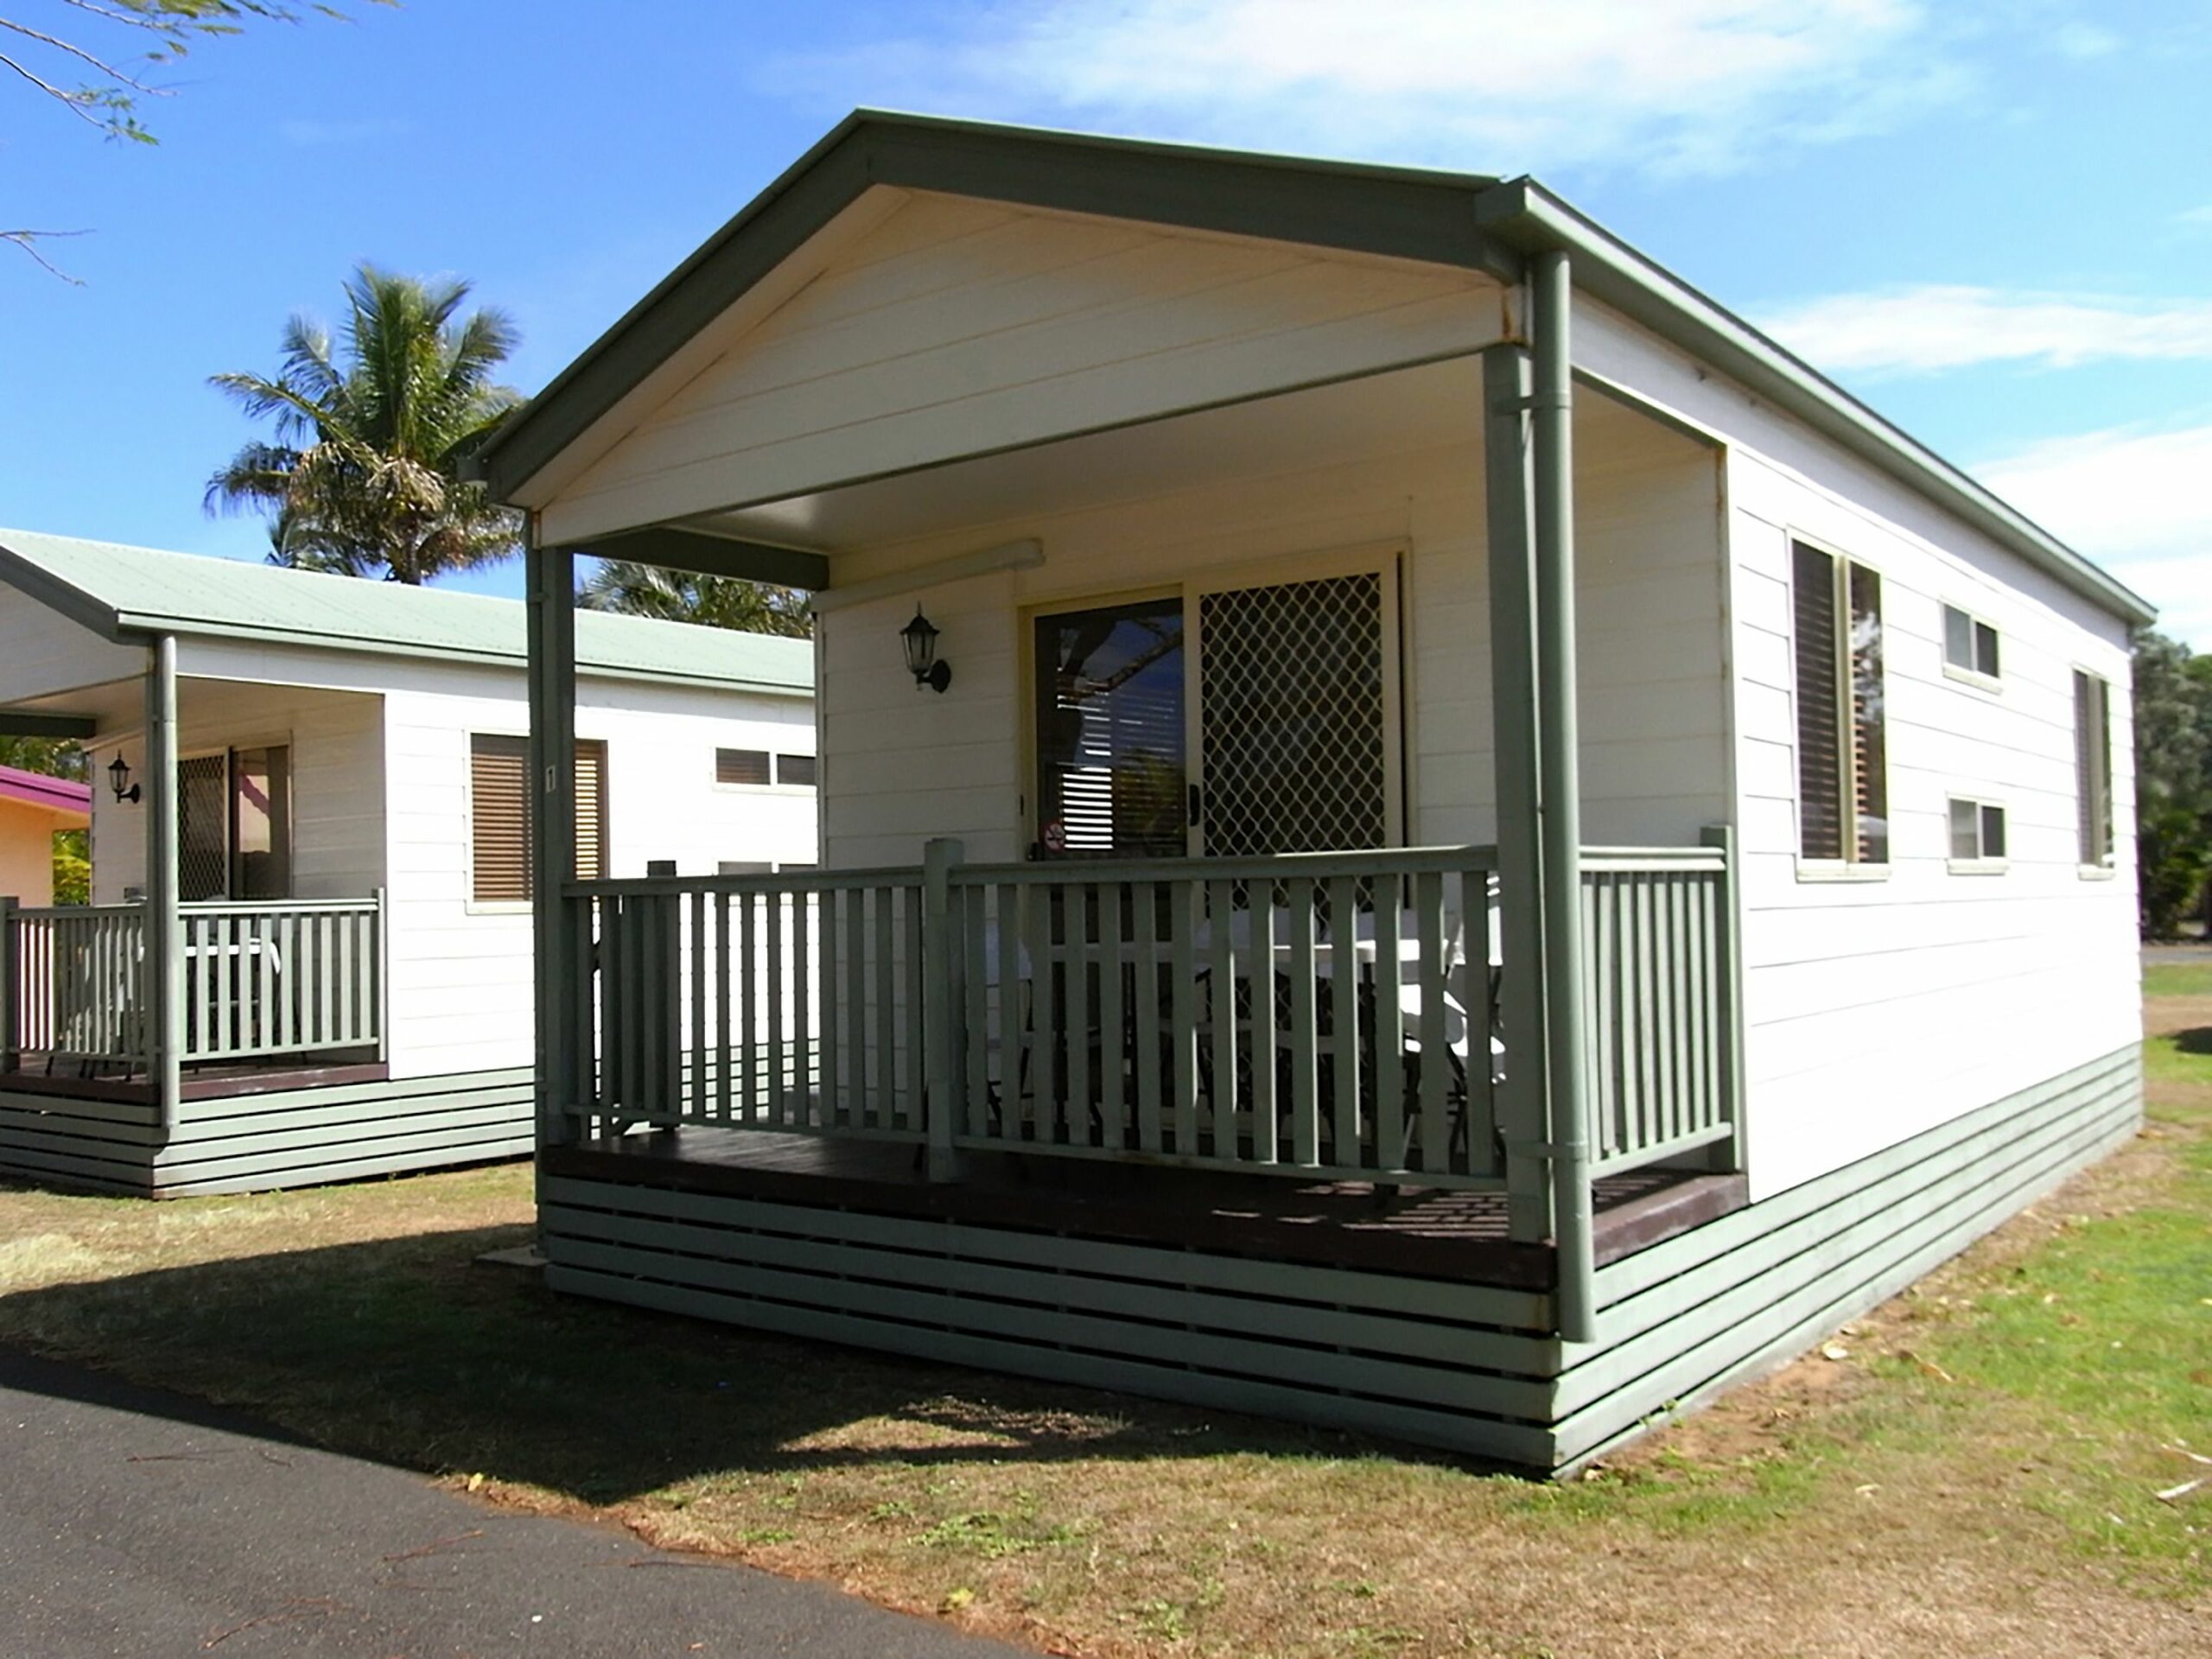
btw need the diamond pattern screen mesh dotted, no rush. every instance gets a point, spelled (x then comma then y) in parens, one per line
(1291, 717)
(203, 837)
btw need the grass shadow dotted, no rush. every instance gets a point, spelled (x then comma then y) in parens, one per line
(406, 1350)
(2197, 1040)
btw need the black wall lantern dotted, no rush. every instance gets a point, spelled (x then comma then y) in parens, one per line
(919, 637)
(119, 777)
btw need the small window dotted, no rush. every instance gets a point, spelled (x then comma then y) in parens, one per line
(499, 817)
(794, 771)
(2093, 767)
(1969, 643)
(1842, 741)
(741, 765)
(743, 867)
(1977, 832)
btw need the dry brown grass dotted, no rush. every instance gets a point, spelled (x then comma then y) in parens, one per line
(1961, 1483)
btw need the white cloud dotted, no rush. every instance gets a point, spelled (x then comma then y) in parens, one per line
(1498, 85)
(1929, 327)
(2134, 500)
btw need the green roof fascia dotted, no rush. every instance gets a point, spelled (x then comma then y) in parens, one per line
(1403, 213)
(1529, 218)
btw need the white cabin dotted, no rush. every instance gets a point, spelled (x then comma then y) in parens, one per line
(349, 898)
(1495, 853)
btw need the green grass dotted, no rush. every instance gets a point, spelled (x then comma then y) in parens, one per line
(2177, 979)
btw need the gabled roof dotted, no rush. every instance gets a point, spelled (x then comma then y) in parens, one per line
(127, 592)
(62, 795)
(1470, 220)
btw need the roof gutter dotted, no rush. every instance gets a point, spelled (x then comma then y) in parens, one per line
(1524, 216)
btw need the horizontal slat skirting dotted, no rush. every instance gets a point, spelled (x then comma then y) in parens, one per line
(1513, 1443)
(1872, 1234)
(1458, 1303)
(1737, 1356)
(297, 1138)
(327, 1171)
(1749, 1320)
(141, 1113)
(307, 1147)
(911, 1272)
(386, 1089)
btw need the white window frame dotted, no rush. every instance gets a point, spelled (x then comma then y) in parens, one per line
(2106, 867)
(471, 904)
(1982, 863)
(1980, 679)
(1386, 559)
(1846, 868)
(771, 787)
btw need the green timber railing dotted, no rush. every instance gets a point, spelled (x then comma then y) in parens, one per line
(1330, 1015)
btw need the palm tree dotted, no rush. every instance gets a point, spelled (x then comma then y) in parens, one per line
(681, 596)
(365, 475)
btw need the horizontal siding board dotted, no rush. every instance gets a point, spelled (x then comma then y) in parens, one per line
(1775, 1279)
(1472, 1305)
(1849, 1286)
(293, 1138)
(1517, 1443)
(1432, 1341)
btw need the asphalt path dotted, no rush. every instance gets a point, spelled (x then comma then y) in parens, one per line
(139, 1522)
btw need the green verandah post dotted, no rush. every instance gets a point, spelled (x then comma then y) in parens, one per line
(550, 575)
(1516, 718)
(1559, 812)
(162, 983)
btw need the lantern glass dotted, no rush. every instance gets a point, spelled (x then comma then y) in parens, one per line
(919, 637)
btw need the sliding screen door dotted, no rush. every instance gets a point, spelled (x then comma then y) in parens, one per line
(1297, 716)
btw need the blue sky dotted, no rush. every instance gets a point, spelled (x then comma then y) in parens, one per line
(1992, 222)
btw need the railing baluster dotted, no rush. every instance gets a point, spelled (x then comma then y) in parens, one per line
(1344, 1022)
(1221, 997)
(1017, 994)
(830, 1108)
(1184, 899)
(888, 1116)
(1144, 902)
(855, 1009)
(970, 907)
(1043, 1063)
(1075, 979)
(778, 907)
(1113, 1029)
(1266, 1135)
(1435, 1039)
(1304, 1039)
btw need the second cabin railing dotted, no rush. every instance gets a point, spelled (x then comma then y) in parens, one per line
(1329, 1015)
(259, 979)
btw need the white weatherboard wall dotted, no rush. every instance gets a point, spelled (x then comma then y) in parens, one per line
(955, 327)
(460, 972)
(908, 765)
(1876, 1010)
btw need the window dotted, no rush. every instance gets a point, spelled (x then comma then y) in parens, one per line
(1843, 789)
(2093, 767)
(498, 815)
(1230, 719)
(1969, 643)
(794, 771)
(234, 824)
(741, 765)
(1977, 832)
(1109, 732)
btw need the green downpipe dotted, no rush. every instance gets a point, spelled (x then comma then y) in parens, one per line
(1559, 820)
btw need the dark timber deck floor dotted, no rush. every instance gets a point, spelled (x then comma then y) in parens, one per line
(69, 1081)
(1425, 1231)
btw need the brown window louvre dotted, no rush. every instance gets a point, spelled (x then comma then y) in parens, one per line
(500, 817)
(741, 765)
(1842, 744)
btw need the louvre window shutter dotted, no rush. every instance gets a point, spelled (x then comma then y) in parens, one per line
(2092, 767)
(1869, 740)
(591, 811)
(741, 765)
(1820, 735)
(498, 801)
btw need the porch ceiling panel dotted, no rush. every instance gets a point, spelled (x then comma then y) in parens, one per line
(1437, 405)
(955, 327)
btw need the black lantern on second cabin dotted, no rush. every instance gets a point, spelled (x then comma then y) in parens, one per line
(119, 777)
(919, 637)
